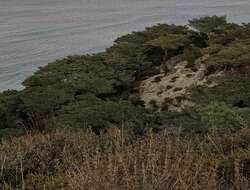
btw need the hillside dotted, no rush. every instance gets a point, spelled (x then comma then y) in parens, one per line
(180, 84)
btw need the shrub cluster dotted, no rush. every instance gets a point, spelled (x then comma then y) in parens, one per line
(101, 90)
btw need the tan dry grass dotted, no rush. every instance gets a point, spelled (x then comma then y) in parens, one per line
(84, 161)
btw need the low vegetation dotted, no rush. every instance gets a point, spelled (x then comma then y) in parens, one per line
(66, 160)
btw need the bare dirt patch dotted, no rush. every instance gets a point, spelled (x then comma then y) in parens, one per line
(174, 86)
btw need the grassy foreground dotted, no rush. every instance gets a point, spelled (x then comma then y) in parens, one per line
(63, 160)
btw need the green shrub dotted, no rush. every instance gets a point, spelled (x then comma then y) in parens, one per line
(220, 117)
(231, 89)
(191, 54)
(208, 24)
(92, 112)
(232, 57)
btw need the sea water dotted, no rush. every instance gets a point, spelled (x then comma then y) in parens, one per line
(35, 32)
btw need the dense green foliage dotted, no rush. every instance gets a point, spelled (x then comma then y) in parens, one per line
(101, 90)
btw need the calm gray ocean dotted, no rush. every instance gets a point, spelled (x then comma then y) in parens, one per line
(35, 32)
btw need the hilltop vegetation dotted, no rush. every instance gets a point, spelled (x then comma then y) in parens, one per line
(190, 82)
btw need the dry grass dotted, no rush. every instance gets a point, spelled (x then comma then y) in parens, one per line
(79, 161)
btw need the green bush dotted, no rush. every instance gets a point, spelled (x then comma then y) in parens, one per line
(91, 112)
(231, 88)
(208, 24)
(191, 54)
(232, 57)
(220, 117)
